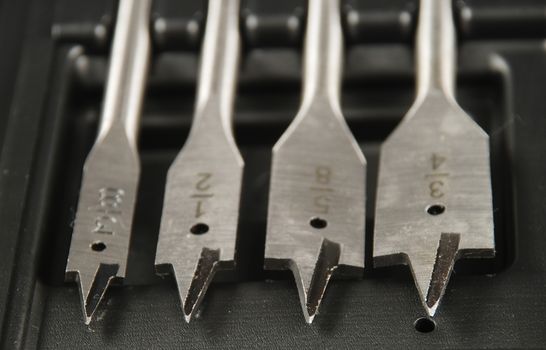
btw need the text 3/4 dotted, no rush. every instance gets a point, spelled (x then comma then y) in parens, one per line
(437, 179)
(108, 210)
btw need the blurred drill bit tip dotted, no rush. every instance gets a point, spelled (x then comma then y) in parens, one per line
(197, 282)
(446, 255)
(103, 224)
(93, 288)
(313, 280)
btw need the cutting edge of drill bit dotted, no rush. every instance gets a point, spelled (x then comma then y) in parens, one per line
(449, 251)
(201, 277)
(326, 264)
(311, 279)
(432, 284)
(193, 281)
(448, 246)
(92, 292)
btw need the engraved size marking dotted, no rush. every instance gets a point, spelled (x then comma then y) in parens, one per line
(321, 189)
(437, 179)
(437, 161)
(108, 210)
(202, 185)
(435, 188)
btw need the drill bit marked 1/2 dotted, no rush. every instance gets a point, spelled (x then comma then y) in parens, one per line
(316, 210)
(201, 206)
(102, 228)
(434, 201)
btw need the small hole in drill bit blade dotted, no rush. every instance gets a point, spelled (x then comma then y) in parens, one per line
(424, 325)
(436, 209)
(318, 223)
(98, 246)
(199, 229)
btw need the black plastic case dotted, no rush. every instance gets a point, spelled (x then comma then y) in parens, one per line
(53, 62)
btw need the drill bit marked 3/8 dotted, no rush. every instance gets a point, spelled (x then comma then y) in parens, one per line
(102, 229)
(316, 210)
(434, 201)
(201, 207)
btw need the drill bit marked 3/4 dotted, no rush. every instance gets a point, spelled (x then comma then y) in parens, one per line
(316, 211)
(201, 206)
(434, 201)
(103, 224)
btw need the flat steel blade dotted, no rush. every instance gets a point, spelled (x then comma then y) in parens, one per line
(103, 224)
(316, 211)
(434, 200)
(201, 206)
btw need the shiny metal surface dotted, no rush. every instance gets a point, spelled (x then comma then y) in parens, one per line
(434, 201)
(201, 206)
(317, 193)
(102, 229)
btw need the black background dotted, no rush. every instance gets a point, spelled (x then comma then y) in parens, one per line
(53, 66)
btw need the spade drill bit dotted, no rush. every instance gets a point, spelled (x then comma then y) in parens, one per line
(317, 193)
(102, 229)
(434, 202)
(201, 207)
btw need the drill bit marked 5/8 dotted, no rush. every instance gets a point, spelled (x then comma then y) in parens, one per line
(201, 207)
(434, 201)
(316, 210)
(103, 225)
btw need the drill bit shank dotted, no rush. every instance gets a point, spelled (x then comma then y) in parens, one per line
(102, 229)
(317, 194)
(201, 206)
(434, 201)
